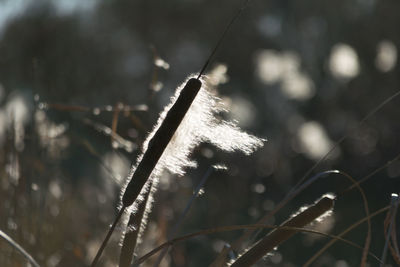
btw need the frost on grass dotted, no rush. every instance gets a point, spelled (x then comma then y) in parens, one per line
(201, 124)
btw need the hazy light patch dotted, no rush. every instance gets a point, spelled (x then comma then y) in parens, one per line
(35, 187)
(218, 75)
(135, 64)
(12, 169)
(218, 245)
(365, 141)
(118, 142)
(186, 53)
(314, 140)
(161, 63)
(1, 92)
(18, 114)
(297, 85)
(274, 67)
(241, 110)
(271, 66)
(91, 249)
(9, 9)
(270, 25)
(276, 257)
(117, 164)
(51, 135)
(54, 260)
(393, 170)
(55, 189)
(253, 212)
(268, 66)
(258, 188)
(3, 126)
(11, 224)
(268, 205)
(341, 263)
(343, 62)
(17, 108)
(65, 7)
(386, 57)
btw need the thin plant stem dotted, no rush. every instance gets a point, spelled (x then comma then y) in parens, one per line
(366, 208)
(109, 233)
(246, 235)
(347, 230)
(363, 120)
(222, 38)
(365, 178)
(185, 211)
(294, 191)
(19, 248)
(392, 215)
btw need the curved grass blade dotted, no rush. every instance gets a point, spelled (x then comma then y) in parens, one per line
(237, 245)
(185, 211)
(389, 222)
(20, 249)
(354, 225)
(253, 227)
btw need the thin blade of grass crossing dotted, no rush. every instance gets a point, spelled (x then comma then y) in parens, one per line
(19, 248)
(388, 227)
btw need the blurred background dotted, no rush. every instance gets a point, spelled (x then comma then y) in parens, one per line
(82, 83)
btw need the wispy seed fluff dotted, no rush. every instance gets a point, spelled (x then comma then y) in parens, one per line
(200, 124)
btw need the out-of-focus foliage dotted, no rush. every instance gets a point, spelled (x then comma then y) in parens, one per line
(82, 84)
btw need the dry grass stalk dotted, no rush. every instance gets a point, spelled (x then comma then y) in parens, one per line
(390, 231)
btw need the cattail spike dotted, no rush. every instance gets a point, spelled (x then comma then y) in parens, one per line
(160, 141)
